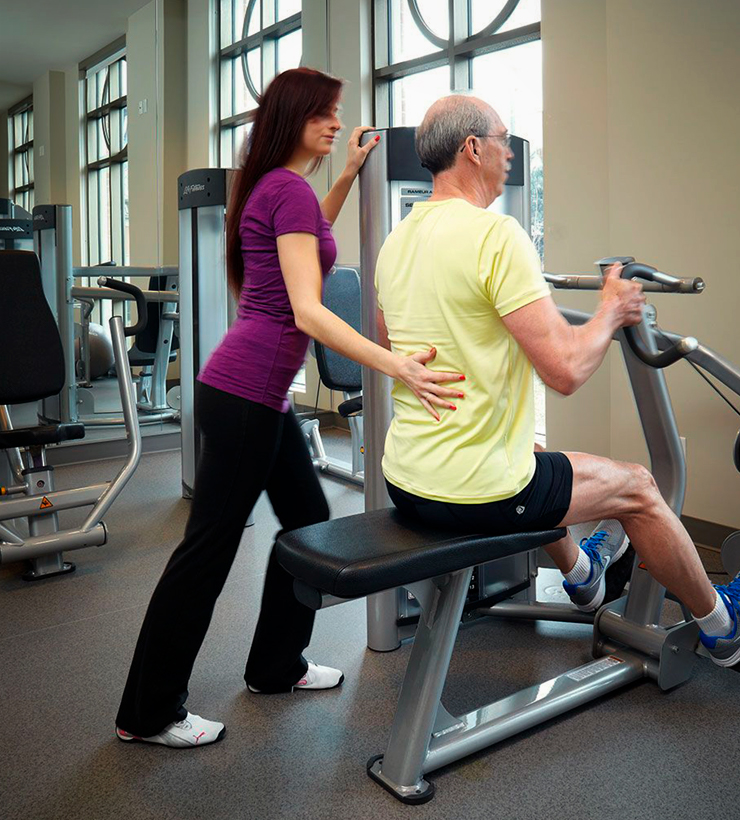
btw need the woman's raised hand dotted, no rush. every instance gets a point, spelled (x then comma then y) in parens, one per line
(426, 384)
(356, 153)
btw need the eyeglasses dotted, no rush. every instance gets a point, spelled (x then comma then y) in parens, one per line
(504, 138)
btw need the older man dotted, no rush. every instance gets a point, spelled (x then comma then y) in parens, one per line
(468, 280)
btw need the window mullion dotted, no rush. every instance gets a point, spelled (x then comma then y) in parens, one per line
(460, 79)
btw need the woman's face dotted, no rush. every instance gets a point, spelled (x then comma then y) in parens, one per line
(319, 133)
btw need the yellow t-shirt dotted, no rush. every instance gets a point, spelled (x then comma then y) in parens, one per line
(445, 276)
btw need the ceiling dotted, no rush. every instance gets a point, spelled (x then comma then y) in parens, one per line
(39, 35)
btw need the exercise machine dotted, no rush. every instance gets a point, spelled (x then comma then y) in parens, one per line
(52, 225)
(342, 296)
(16, 227)
(375, 553)
(34, 372)
(206, 308)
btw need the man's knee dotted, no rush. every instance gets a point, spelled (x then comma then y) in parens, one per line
(641, 486)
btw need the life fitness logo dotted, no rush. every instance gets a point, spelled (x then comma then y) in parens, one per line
(192, 189)
(12, 229)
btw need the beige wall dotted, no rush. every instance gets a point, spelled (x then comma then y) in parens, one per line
(156, 43)
(202, 102)
(49, 139)
(5, 155)
(641, 117)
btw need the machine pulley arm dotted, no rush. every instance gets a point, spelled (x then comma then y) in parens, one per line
(686, 345)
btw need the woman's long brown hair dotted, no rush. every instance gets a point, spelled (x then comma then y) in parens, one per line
(291, 99)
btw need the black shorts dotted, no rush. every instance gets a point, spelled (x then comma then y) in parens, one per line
(541, 505)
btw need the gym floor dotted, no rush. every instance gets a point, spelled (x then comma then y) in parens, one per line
(66, 644)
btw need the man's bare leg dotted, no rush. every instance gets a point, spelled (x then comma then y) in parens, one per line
(603, 488)
(564, 552)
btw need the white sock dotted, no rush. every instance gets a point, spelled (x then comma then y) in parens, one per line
(581, 570)
(719, 622)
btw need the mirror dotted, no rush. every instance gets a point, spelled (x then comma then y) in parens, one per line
(77, 102)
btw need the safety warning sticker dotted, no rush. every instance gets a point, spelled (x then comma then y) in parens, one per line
(45, 504)
(594, 668)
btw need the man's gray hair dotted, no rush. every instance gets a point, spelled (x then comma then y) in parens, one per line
(444, 129)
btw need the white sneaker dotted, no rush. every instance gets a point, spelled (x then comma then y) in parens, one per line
(192, 731)
(316, 677)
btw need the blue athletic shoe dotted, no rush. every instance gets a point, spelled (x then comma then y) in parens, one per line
(604, 546)
(725, 651)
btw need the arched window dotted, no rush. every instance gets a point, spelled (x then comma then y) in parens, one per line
(258, 39)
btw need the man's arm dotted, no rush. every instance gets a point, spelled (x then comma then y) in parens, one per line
(565, 356)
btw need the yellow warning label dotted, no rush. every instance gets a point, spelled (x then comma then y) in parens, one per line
(641, 565)
(45, 503)
(362, 450)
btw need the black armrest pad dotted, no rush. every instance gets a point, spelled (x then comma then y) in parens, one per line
(361, 554)
(39, 436)
(350, 407)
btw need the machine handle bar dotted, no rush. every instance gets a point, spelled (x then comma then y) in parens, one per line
(569, 281)
(127, 287)
(637, 270)
(683, 347)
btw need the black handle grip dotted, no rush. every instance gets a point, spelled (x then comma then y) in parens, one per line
(127, 287)
(667, 357)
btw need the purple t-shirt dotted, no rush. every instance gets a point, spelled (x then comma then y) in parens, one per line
(262, 351)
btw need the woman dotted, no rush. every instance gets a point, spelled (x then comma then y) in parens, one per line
(280, 247)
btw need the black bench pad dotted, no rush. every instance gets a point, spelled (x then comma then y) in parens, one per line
(361, 554)
(39, 436)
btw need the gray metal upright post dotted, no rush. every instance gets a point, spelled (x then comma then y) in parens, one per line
(204, 297)
(667, 464)
(52, 225)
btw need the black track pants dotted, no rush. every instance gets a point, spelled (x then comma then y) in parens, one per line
(245, 448)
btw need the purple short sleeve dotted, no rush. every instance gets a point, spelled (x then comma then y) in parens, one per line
(295, 208)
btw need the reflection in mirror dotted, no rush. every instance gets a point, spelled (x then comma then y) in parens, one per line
(64, 77)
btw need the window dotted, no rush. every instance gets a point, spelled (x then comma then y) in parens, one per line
(425, 49)
(21, 144)
(258, 39)
(106, 161)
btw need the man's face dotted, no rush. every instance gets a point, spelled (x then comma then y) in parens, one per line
(496, 154)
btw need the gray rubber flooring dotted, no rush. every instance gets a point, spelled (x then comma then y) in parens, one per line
(65, 645)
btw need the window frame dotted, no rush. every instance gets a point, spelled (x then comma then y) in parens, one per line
(266, 38)
(457, 51)
(101, 120)
(22, 152)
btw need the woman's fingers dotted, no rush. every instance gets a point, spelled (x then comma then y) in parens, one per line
(441, 376)
(428, 407)
(452, 393)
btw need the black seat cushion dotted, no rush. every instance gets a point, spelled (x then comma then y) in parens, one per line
(36, 436)
(361, 554)
(31, 356)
